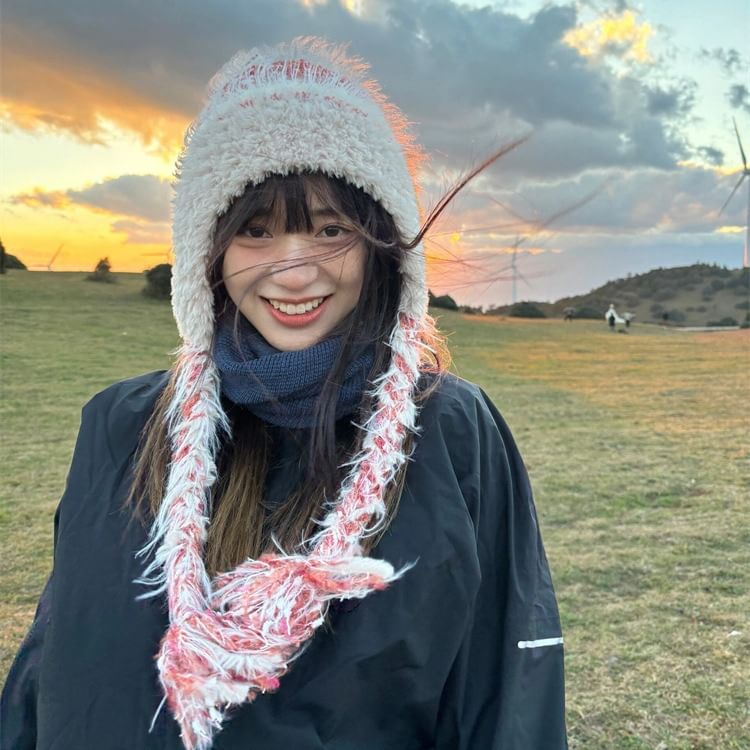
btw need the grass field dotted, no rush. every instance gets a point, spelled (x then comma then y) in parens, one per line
(638, 450)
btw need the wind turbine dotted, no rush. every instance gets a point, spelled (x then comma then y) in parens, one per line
(515, 273)
(48, 267)
(745, 173)
(52, 259)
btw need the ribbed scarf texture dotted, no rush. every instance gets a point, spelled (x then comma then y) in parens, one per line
(281, 387)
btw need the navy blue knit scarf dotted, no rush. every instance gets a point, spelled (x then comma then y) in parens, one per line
(282, 387)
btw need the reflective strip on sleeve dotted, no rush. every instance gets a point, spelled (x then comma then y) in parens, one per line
(540, 643)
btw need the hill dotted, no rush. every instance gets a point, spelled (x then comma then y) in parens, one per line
(689, 295)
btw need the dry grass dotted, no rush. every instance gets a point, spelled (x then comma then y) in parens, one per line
(637, 447)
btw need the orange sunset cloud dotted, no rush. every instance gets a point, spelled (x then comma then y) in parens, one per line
(49, 90)
(620, 32)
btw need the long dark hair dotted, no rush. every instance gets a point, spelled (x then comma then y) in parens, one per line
(241, 526)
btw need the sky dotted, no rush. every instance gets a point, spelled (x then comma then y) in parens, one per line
(628, 111)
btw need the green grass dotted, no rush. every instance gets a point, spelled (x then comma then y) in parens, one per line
(637, 448)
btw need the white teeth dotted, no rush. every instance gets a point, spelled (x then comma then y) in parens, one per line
(296, 309)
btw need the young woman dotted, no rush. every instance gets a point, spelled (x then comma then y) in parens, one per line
(306, 534)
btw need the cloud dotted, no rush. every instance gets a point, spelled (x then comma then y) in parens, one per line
(40, 198)
(142, 233)
(142, 196)
(139, 196)
(712, 155)
(739, 97)
(469, 77)
(676, 100)
(730, 60)
(643, 201)
(618, 34)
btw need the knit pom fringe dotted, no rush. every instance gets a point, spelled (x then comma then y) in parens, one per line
(235, 636)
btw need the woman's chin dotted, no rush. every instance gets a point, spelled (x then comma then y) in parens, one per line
(289, 340)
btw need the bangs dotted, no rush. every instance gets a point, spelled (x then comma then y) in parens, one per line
(288, 201)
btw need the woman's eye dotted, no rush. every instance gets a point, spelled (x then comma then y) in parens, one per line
(333, 231)
(257, 233)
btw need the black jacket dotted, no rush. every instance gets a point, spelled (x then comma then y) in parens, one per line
(447, 658)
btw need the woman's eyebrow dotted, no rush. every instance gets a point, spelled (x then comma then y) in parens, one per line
(326, 213)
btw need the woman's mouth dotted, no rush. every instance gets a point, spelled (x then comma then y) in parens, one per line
(298, 314)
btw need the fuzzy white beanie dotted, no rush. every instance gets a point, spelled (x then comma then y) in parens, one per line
(300, 106)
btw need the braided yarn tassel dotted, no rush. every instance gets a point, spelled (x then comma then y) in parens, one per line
(233, 637)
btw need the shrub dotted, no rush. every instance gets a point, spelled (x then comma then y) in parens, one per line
(727, 321)
(745, 305)
(526, 310)
(158, 281)
(665, 293)
(12, 262)
(445, 301)
(740, 282)
(589, 313)
(717, 284)
(690, 308)
(701, 308)
(676, 316)
(656, 309)
(102, 272)
(707, 291)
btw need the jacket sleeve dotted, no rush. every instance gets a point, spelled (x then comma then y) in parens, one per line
(18, 726)
(506, 687)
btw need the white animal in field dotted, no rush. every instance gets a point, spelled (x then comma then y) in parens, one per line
(614, 319)
(612, 313)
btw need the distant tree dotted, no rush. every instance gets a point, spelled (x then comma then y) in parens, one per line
(740, 281)
(590, 313)
(2, 257)
(676, 316)
(727, 321)
(665, 293)
(102, 272)
(11, 261)
(445, 301)
(656, 309)
(469, 310)
(158, 281)
(525, 310)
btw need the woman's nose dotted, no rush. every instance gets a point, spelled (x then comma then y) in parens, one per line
(294, 263)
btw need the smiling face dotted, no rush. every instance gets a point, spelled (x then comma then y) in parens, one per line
(295, 271)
